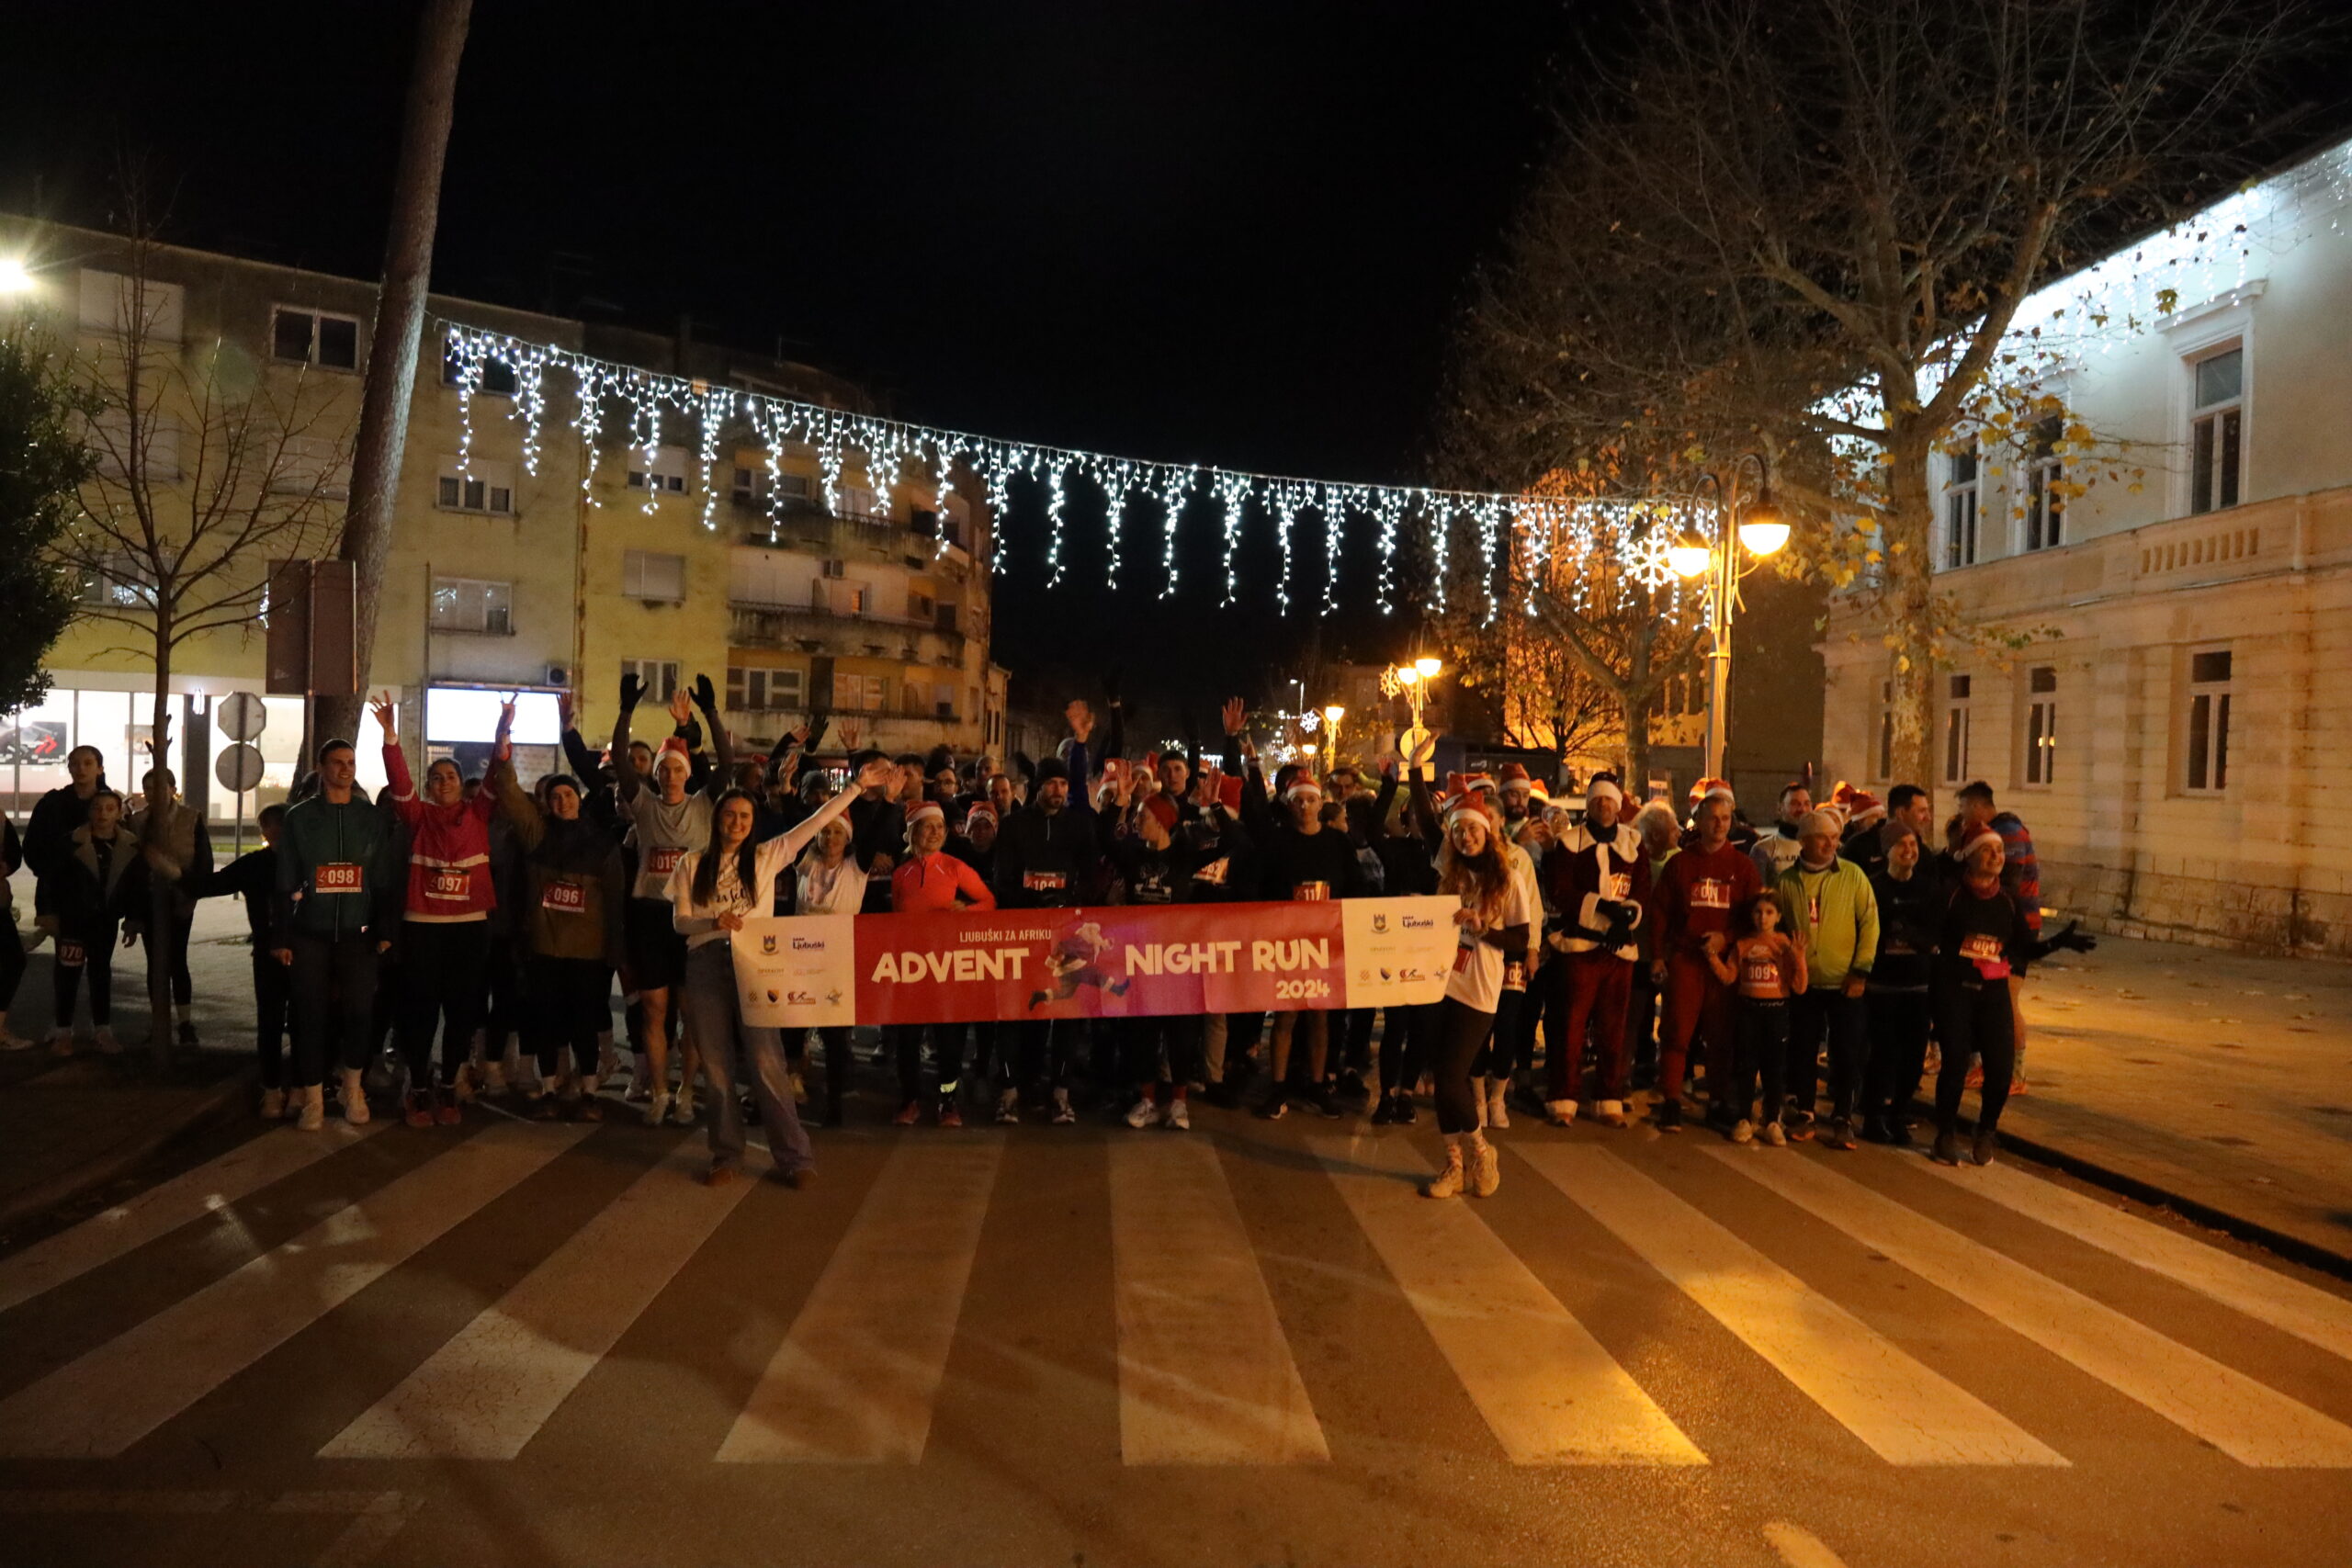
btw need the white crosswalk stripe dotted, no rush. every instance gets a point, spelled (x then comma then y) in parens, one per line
(855, 1378)
(102, 1403)
(1205, 1376)
(2250, 1421)
(2264, 1294)
(1547, 1389)
(1208, 1374)
(1907, 1413)
(487, 1392)
(167, 1206)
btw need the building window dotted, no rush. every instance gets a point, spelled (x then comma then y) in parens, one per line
(756, 486)
(113, 303)
(649, 574)
(860, 503)
(484, 486)
(2209, 721)
(2045, 470)
(657, 677)
(473, 604)
(1959, 509)
(2041, 725)
(672, 483)
(2217, 431)
(497, 377)
(764, 690)
(1956, 731)
(121, 584)
(861, 694)
(919, 606)
(314, 337)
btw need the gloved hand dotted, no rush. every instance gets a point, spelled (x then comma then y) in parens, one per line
(1621, 918)
(707, 696)
(817, 728)
(632, 689)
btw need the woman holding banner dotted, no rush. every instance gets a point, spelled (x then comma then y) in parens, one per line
(712, 892)
(1493, 922)
(931, 880)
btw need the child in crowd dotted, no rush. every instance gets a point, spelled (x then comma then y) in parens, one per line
(1764, 968)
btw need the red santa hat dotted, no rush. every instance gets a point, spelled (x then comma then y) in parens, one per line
(1162, 810)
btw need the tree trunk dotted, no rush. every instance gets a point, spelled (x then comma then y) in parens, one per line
(400, 323)
(1909, 604)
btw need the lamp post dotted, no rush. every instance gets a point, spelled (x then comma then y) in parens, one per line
(1413, 680)
(1331, 717)
(1744, 527)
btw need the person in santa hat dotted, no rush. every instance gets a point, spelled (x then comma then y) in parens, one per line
(1600, 885)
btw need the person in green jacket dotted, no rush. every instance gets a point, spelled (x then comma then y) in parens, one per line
(1827, 906)
(341, 887)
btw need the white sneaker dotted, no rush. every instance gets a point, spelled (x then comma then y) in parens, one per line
(640, 1077)
(1446, 1183)
(14, 1041)
(1611, 1113)
(1063, 1112)
(354, 1098)
(1562, 1112)
(273, 1105)
(657, 1107)
(103, 1035)
(1008, 1107)
(1497, 1115)
(1744, 1131)
(1773, 1137)
(314, 1107)
(1177, 1117)
(1142, 1114)
(682, 1108)
(1486, 1170)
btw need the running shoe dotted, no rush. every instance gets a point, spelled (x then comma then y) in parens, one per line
(1008, 1108)
(1448, 1182)
(1742, 1132)
(2017, 1085)
(273, 1105)
(1352, 1086)
(1486, 1170)
(1176, 1116)
(1560, 1112)
(1898, 1132)
(1406, 1114)
(107, 1043)
(949, 1116)
(584, 1107)
(1064, 1113)
(1946, 1150)
(681, 1109)
(1497, 1115)
(418, 1110)
(1987, 1147)
(1384, 1114)
(1840, 1134)
(1327, 1103)
(1274, 1107)
(1875, 1131)
(1975, 1079)
(1772, 1137)
(719, 1174)
(1143, 1113)
(1612, 1113)
(908, 1115)
(657, 1108)
(1669, 1116)
(547, 1108)
(187, 1035)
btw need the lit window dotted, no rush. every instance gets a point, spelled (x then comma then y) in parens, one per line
(1956, 731)
(2041, 725)
(472, 604)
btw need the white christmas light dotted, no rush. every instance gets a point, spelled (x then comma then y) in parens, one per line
(1174, 485)
(1233, 494)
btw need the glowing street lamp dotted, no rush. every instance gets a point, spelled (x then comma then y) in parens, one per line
(15, 276)
(1762, 531)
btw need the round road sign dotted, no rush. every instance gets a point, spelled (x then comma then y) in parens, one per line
(239, 767)
(241, 716)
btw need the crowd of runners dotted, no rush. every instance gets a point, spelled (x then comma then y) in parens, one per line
(1618, 960)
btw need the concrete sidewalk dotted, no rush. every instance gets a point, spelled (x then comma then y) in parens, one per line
(2212, 1078)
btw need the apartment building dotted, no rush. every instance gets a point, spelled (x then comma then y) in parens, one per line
(539, 572)
(2175, 728)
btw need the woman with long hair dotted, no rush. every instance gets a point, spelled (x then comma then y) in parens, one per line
(1492, 923)
(712, 892)
(177, 849)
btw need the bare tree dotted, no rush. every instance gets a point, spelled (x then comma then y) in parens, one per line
(1807, 228)
(207, 467)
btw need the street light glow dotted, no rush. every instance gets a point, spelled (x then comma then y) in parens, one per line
(1765, 531)
(1408, 676)
(1688, 556)
(1334, 714)
(13, 277)
(1427, 666)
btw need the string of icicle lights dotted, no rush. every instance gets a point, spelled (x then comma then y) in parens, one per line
(650, 409)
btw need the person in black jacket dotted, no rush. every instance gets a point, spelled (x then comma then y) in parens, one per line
(253, 877)
(12, 946)
(57, 816)
(1913, 890)
(97, 891)
(1408, 1034)
(1045, 852)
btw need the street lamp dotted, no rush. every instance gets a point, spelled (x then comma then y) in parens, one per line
(1413, 681)
(15, 277)
(1331, 717)
(1761, 530)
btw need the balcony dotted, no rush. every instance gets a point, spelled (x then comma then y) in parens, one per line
(758, 624)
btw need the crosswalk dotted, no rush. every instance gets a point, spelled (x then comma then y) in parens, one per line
(1219, 1357)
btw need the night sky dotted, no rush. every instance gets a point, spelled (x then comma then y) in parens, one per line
(1235, 233)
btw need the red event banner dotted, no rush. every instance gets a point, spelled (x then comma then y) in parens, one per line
(1116, 961)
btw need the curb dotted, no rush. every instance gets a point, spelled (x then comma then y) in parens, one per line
(213, 1104)
(2309, 1254)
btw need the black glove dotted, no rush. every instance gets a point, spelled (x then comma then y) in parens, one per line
(817, 728)
(1621, 918)
(2067, 940)
(707, 696)
(632, 689)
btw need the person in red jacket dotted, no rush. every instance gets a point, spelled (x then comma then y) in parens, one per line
(444, 920)
(1693, 900)
(930, 881)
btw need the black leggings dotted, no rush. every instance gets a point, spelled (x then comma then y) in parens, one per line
(1974, 1017)
(570, 1002)
(1408, 1036)
(97, 957)
(946, 1048)
(1898, 1050)
(333, 986)
(167, 937)
(1760, 1032)
(12, 965)
(1461, 1034)
(440, 985)
(1161, 1050)
(273, 1005)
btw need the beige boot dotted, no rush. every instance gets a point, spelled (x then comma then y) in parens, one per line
(354, 1098)
(1447, 1183)
(314, 1107)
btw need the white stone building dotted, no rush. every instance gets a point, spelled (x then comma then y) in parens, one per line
(2179, 734)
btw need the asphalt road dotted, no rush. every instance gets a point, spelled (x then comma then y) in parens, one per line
(1250, 1344)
